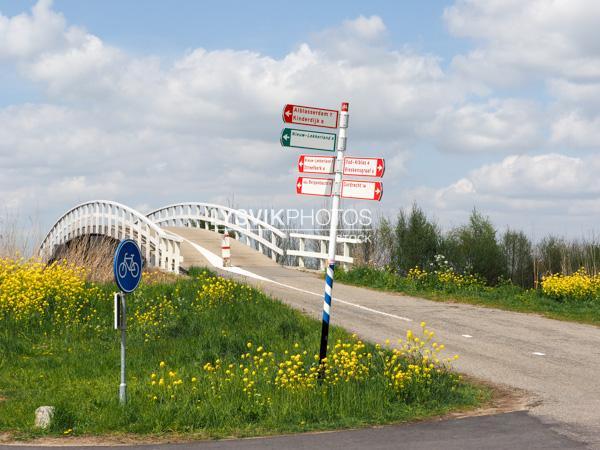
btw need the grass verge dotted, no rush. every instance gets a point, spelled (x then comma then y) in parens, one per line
(207, 357)
(507, 297)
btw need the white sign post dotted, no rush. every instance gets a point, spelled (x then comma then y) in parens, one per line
(335, 207)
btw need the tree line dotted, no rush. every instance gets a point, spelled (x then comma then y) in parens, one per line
(414, 240)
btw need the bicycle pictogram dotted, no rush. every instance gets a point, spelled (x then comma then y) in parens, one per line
(129, 265)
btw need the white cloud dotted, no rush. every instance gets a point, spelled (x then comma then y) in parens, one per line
(580, 95)
(205, 127)
(91, 66)
(576, 130)
(496, 125)
(523, 40)
(547, 192)
(359, 41)
(548, 175)
(27, 35)
(547, 50)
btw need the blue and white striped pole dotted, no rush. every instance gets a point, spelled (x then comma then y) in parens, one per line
(326, 312)
(335, 207)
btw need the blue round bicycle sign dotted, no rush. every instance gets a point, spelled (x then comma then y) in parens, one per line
(127, 265)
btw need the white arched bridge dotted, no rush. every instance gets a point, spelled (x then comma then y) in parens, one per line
(185, 234)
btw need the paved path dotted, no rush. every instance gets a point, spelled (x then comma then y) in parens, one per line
(513, 431)
(557, 363)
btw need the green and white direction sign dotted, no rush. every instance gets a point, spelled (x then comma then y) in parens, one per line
(312, 140)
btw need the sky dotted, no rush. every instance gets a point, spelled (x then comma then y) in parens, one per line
(492, 104)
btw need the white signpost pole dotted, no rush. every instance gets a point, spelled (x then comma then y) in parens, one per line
(123, 385)
(335, 206)
(121, 324)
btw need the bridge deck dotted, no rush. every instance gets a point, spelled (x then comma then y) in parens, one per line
(241, 254)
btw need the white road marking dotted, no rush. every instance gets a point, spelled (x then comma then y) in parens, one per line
(538, 353)
(468, 336)
(218, 262)
(339, 300)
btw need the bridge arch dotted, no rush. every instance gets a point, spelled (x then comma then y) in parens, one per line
(104, 217)
(250, 230)
(162, 248)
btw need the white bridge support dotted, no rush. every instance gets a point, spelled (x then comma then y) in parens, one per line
(246, 228)
(102, 217)
(322, 254)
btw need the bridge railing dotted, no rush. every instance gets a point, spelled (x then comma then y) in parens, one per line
(246, 228)
(322, 243)
(103, 217)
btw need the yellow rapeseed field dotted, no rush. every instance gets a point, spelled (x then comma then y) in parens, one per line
(30, 289)
(407, 368)
(445, 276)
(578, 286)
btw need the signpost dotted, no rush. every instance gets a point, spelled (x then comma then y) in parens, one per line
(316, 164)
(312, 140)
(337, 187)
(314, 186)
(127, 268)
(306, 115)
(364, 167)
(335, 206)
(363, 190)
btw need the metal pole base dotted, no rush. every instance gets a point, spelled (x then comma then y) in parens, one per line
(123, 393)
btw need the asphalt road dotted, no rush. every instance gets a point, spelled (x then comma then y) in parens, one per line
(556, 363)
(511, 431)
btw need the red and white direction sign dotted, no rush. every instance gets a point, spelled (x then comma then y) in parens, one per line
(364, 167)
(307, 115)
(316, 164)
(364, 190)
(314, 186)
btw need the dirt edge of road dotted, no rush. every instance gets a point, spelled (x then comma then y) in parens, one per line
(504, 399)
